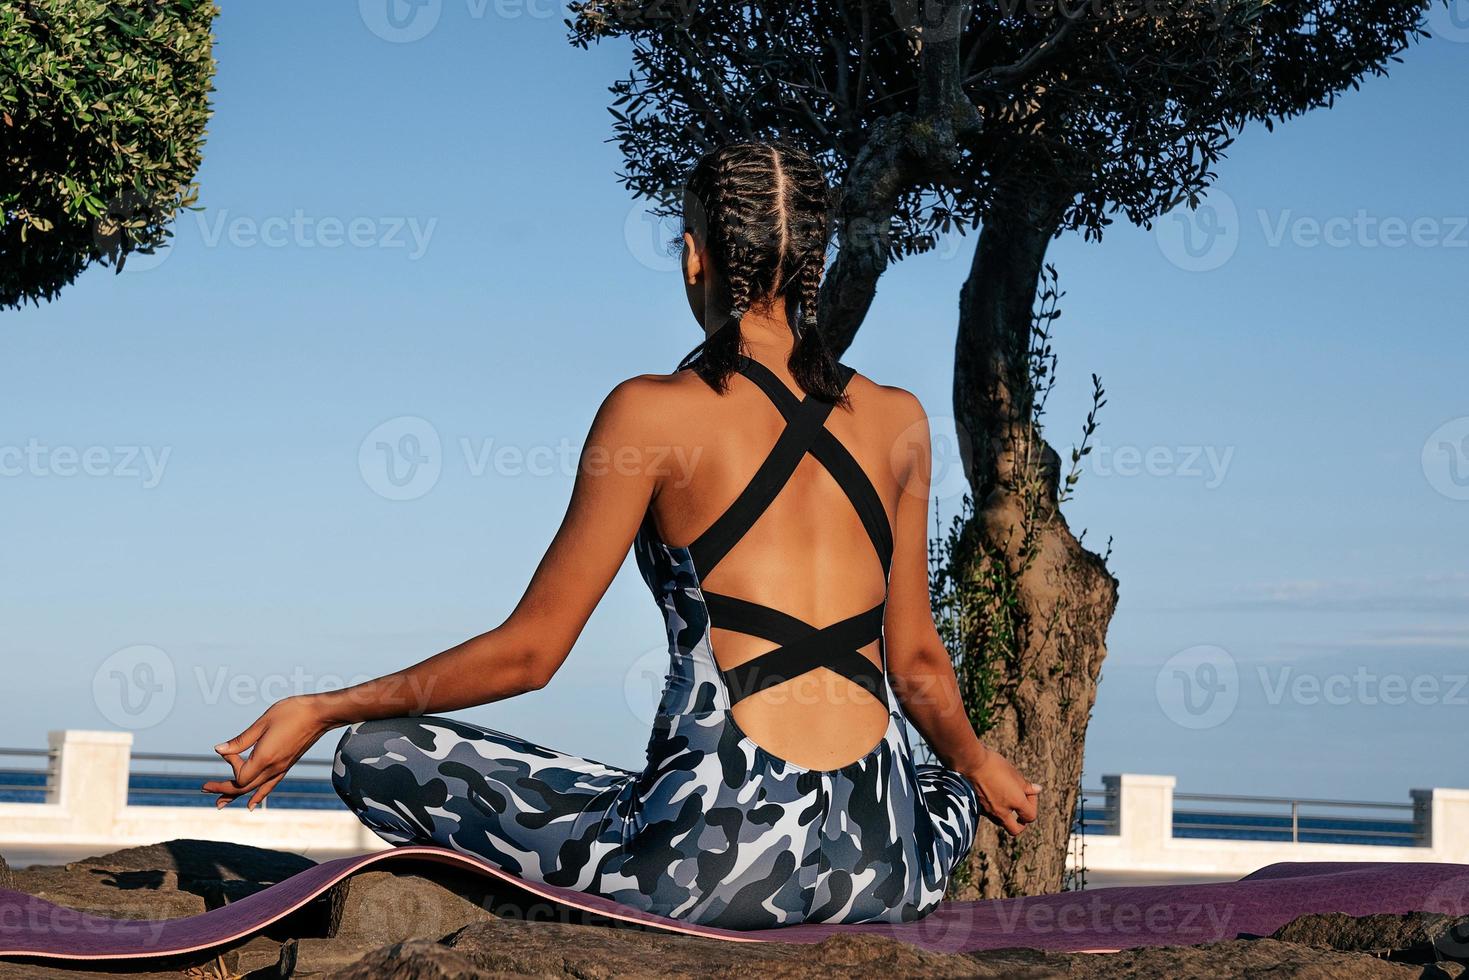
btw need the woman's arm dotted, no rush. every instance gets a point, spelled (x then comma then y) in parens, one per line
(614, 485)
(919, 667)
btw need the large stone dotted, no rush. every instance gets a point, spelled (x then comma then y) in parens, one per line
(206, 860)
(1416, 937)
(115, 894)
(501, 948)
(504, 947)
(160, 881)
(381, 907)
(1240, 959)
(7, 879)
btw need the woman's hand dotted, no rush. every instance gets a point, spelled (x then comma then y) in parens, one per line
(279, 738)
(1007, 798)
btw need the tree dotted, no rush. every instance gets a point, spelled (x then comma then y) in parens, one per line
(103, 105)
(935, 116)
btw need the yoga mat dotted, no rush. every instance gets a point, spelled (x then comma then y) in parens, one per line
(1101, 920)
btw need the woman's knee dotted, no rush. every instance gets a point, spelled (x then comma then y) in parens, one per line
(370, 743)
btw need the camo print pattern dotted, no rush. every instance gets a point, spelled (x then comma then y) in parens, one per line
(714, 830)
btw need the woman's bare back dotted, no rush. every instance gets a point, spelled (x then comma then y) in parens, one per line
(807, 554)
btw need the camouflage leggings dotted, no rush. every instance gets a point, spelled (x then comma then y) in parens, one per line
(715, 830)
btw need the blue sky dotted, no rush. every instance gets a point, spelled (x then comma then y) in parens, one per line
(423, 239)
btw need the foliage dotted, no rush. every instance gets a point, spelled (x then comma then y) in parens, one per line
(103, 107)
(1124, 105)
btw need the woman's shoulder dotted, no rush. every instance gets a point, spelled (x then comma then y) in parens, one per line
(644, 391)
(653, 406)
(666, 401)
(898, 406)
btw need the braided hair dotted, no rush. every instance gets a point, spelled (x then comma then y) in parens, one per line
(761, 210)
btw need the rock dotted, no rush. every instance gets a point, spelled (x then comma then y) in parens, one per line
(1416, 937)
(206, 860)
(7, 880)
(505, 947)
(117, 894)
(1240, 959)
(376, 908)
(501, 948)
(160, 881)
(417, 960)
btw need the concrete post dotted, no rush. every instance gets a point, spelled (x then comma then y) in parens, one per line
(1441, 818)
(90, 780)
(1143, 808)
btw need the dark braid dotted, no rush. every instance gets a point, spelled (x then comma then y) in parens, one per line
(761, 210)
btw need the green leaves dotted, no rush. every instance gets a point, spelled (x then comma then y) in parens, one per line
(1118, 107)
(103, 108)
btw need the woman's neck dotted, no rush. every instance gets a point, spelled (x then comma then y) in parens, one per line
(767, 335)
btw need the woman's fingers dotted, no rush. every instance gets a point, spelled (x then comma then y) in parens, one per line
(234, 788)
(253, 771)
(1005, 816)
(244, 740)
(264, 791)
(237, 762)
(233, 750)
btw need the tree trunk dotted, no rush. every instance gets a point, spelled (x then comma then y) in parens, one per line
(1045, 623)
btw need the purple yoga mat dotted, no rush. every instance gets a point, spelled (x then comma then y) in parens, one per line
(1102, 919)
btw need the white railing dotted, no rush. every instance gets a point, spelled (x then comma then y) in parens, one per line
(86, 805)
(1140, 821)
(82, 784)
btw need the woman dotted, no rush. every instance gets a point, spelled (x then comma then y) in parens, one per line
(780, 786)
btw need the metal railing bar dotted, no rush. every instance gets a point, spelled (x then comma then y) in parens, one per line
(1305, 819)
(1286, 801)
(184, 791)
(1303, 831)
(221, 769)
(211, 759)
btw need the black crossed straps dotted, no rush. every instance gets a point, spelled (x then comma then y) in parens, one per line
(802, 647)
